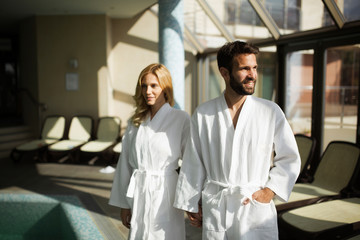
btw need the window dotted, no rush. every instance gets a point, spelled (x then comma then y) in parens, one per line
(341, 93)
(299, 88)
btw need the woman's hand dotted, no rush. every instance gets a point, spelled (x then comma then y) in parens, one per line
(125, 217)
(195, 218)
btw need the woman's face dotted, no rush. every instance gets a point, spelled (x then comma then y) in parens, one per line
(151, 90)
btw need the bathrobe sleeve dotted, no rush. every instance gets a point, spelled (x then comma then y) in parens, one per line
(185, 134)
(123, 173)
(285, 171)
(191, 177)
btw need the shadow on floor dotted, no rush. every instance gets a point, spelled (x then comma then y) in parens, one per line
(85, 182)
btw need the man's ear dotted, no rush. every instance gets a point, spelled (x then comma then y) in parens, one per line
(224, 73)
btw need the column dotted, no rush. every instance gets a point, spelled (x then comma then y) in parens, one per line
(171, 47)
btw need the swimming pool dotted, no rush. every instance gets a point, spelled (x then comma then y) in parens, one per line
(35, 216)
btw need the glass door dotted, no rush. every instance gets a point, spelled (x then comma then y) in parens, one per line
(299, 90)
(341, 93)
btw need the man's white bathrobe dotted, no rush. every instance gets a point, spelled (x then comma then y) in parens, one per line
(223, 166)
(145, 178)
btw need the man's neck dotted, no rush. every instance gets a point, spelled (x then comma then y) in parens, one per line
(235, 103)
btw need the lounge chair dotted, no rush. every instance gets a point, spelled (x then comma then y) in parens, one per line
(112, 159)
(107, 135)
(335, 219)
(52, 131)
(80, 132)
(355, 236)
(306, 147)
(334, 174)
(116, 152)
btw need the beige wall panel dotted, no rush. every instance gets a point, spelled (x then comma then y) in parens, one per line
(60, 39)
(134, 46)
(28, 76)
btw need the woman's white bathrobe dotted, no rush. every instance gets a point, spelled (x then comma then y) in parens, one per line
(223, 166)
(145, 178)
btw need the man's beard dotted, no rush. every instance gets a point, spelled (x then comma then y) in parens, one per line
(239, 87)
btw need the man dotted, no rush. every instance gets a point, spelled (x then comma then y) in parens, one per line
(229, 173)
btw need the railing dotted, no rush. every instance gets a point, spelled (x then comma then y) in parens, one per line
(42, 107)
(352, 99)
(343, 96)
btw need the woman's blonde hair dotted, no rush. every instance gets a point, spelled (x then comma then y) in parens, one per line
(163, 76)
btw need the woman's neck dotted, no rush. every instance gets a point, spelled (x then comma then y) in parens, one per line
(155, 108)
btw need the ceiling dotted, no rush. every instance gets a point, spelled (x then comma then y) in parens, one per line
(13, 11)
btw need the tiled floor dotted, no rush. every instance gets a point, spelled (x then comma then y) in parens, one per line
(85, 182)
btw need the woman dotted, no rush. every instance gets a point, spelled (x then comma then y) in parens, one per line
(145, 178)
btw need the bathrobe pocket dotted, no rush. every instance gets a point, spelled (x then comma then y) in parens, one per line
(262, 215)
(161, 207)
(213, 213)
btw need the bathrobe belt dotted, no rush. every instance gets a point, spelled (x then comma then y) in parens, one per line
(147, 174)
(245, 190)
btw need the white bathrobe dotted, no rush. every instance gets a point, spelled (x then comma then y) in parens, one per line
(223, 166)
(145, 178)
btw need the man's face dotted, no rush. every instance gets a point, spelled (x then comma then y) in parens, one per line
(244, 74)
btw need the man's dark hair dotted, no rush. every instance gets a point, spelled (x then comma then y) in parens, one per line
(230, 50)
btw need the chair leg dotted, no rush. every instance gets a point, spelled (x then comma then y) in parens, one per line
(108, 157)
(43, 155)
(75, 156)
(13, 157)
(72, 156)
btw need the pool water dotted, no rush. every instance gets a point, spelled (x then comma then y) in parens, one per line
(34, 216)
